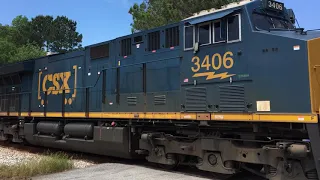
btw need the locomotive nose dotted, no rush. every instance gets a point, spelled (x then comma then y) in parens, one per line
(314, 73)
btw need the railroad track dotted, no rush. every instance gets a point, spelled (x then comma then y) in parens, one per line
(98, 159)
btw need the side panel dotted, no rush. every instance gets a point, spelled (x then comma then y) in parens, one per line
(57, 80)
(280, 74)
(216, 78)
(26, 90)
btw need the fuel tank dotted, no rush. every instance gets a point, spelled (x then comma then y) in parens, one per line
(49, 128)
(79, 130)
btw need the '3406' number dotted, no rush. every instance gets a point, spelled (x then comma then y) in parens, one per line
(217, 61)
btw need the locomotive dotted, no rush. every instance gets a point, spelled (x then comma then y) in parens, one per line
(226, 90)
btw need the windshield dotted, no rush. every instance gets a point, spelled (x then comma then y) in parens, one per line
(266, 22)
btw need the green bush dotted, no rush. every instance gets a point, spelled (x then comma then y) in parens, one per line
(47, 164)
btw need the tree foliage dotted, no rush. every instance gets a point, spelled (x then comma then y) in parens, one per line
(27, 51)
(10, 52)
(41, 31)
(155, 13)
(26, 39)
(56, 35)
(64, 35)
(21, 30)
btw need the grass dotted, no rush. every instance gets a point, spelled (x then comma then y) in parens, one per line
(47, 164)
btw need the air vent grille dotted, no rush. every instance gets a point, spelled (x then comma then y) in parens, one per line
(232, 99)
(160, 100)
(132, 101)
(196, 99)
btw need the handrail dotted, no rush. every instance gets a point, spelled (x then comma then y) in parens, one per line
(158, 60)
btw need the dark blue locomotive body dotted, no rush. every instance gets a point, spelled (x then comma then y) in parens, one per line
(153, 71)
(241, 73)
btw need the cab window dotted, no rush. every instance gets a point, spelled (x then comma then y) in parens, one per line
(233, 28)
(218, 32)
(265, 22)
(226, 29)
(204, 34)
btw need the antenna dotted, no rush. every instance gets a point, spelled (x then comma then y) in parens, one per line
(298, 23)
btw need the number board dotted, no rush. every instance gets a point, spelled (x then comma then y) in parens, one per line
(274, 5)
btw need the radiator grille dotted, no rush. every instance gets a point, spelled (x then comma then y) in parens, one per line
(160, 100)
(196, 99)
(132, 101)
(232, 99)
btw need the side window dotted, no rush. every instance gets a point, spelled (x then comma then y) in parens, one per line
(99, 51)
(218, 32)
(126, 47)
(204, 34)
(234, 24)
(154, 41)
(188, 37)
(172, 37)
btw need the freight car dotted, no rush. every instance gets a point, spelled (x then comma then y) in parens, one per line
(225, 90)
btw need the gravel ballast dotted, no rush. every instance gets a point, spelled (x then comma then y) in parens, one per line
(11, 156)
(115, 171)
(92, 169)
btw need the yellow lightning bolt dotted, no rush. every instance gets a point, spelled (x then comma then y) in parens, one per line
(213, 75)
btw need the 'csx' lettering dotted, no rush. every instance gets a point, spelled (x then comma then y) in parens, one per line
(59, 82)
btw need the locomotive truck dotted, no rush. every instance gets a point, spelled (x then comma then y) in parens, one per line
(225, 90)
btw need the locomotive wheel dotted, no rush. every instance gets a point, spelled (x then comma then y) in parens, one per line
(170, 167)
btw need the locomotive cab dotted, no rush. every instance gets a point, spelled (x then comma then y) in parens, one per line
(273, 16)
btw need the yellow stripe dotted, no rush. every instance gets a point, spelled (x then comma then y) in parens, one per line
(287, 118)
(54, 114)
(95, 115)
(24, 114)
(292, 118)
(314, 73)
(37, 114)
(120, 115)
(13, 114)
(75, 114)
(230, 117)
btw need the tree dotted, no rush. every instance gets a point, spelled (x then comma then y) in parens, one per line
(155, 13)
(10, 52)
(7, 51)
(55, 35)
(7, 32)
(26, 52)
(21, 30)
(16, 42)
(28, 39)
(64, 35)
(42, 31)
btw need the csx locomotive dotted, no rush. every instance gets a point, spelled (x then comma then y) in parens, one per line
(226, 90)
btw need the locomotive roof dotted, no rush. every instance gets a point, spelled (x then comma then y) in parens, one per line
(223, 8)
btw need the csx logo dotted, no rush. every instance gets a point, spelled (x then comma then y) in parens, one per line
(56, 83)
(59, 83)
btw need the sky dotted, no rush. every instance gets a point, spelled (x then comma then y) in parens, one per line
(102, 20)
